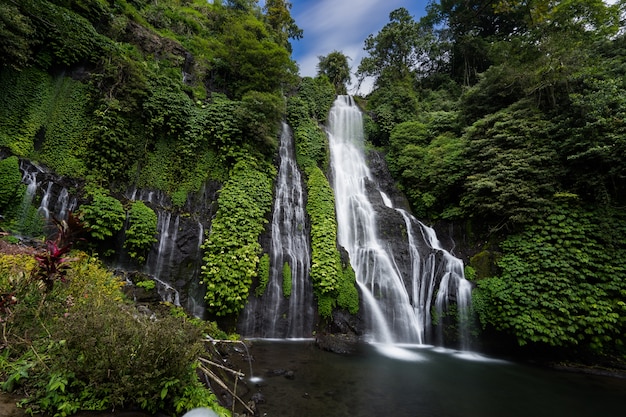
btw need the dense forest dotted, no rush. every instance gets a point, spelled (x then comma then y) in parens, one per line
(508, 119)
(505, 120)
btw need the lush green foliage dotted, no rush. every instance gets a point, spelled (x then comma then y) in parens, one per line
(16, 31)
(79, 347)
(22, 112)
(140, 234)
(513, 168)
(263, 274)
(348, 295)
(432, 170)
(132, 117)
(44, 117)
(311, 145)
(325, 263)
(562, 281)
(397, 103)
(68, 38)
(286, 279)
(10, 179)
(232, 250)
(333, 286)
(336, 68)
(319, 94)
(104, 215)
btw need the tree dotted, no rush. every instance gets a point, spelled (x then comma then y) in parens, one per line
(281, 23)
(242, 5)
(250, 59)
(335, 67)
(394, 52)
(513, 168)
(16, 33)
(464, 32)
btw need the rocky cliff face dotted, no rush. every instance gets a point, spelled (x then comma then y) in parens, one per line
(174, 260)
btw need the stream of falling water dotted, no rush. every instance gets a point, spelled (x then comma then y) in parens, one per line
(398, 307)
(274, 314)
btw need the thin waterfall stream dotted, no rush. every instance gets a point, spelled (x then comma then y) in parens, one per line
(397, 299)
(277, 313)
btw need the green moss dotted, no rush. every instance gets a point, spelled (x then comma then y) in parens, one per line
(286, 280)
(263, 274)
(348, 296)
(484, 264)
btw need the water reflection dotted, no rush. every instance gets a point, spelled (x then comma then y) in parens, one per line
(421, 381)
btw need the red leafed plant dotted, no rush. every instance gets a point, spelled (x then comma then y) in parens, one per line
(53, 263)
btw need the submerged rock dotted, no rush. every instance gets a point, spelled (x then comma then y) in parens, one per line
(342, 343)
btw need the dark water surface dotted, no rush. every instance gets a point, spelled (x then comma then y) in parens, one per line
(422, 382)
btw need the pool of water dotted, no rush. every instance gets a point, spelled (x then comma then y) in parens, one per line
(297, 379)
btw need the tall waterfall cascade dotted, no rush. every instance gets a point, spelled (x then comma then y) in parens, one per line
(275, 314)
(398, 292)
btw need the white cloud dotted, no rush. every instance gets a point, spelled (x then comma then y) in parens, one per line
(331, 25)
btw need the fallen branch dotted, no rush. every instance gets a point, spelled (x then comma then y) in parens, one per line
(226, 368)
(221, 383)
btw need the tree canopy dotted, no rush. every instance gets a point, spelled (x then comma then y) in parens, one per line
(507, 117)
(335, 66)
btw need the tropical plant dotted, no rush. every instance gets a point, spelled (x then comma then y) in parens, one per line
(232, 250)
(53, 262)
(561, 283)
(141, 231)
(104, 215)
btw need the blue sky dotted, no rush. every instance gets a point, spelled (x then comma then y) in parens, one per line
(342, 25)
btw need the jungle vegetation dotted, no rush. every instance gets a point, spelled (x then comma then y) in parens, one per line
(504, 118)
(161, 95)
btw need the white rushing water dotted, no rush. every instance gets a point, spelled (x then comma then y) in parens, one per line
(398, 307)
(273, 315)
(55, 198)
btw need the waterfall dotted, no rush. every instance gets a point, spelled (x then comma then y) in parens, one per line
(195, 302)
(159, 264)
(397, 299)
(55, 198)
(29, 178)
(56, 201)
(273, 315)
(175, 259)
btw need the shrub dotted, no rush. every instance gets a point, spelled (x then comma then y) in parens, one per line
(80, 347)
(142, 230)
(104, 215)
(562, 281)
